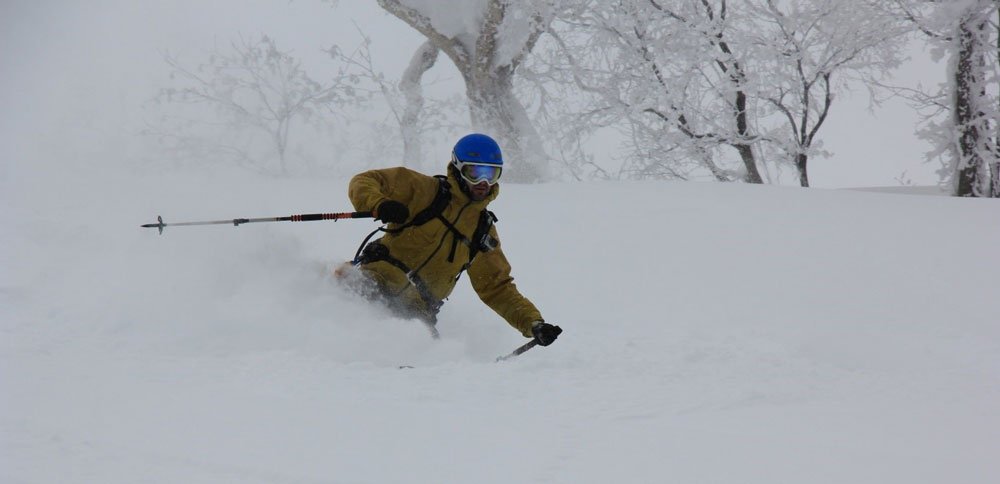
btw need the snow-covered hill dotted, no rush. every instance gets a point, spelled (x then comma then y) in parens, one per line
(713, 333)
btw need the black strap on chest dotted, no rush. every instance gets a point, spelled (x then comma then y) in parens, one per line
(441, 200)
(481, 241)
(376, 252)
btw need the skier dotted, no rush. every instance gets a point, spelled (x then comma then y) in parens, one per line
(436, 228)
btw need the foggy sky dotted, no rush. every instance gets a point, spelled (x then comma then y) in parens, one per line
(78, 72)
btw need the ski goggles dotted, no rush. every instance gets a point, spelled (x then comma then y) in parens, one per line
(476, 173)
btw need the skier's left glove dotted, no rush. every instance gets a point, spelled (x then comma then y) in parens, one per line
(545, 333)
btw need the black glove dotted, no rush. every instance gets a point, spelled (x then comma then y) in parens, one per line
(391, 211)
(545, 333)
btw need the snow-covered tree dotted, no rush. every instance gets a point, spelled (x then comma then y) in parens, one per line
(964, 119)
(408, 110)
(667, 72)
(410, 85)
(487, 40)
(248, 89)
(710, 86)
(809, 48)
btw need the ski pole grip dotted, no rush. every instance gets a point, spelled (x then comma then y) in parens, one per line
(309, 217)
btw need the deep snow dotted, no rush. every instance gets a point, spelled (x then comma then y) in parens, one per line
(713, 333)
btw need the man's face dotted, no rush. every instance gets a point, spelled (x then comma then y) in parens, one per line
(479, 191)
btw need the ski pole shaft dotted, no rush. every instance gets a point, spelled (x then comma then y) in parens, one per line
(521, 349)
(239, 221)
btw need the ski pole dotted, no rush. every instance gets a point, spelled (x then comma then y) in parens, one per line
(239, 221)
(521, 349)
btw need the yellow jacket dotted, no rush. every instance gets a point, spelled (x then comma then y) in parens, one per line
(427, 248)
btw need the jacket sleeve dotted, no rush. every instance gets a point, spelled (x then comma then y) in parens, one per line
(490, 276)
(369, 189)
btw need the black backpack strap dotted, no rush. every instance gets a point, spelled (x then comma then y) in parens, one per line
(457, 236)
(441, 200)
(376, 252)
(358, 259)
(481, 241)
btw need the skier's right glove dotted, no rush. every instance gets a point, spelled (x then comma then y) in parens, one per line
(391, 211)
(545, 333)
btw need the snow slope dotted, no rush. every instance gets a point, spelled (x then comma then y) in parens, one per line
(713, 334)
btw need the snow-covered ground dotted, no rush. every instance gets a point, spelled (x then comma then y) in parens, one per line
(713, 334)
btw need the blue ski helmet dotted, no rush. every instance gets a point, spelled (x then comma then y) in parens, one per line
(477, 158)
(477, 148)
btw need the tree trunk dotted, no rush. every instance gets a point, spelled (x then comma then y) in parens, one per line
(742, 127)
(423, 59)
(495, 110)
(800, 163)
(995, 191)
(970, 166)
(995, 179)
(750, 161)
(281, 144)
